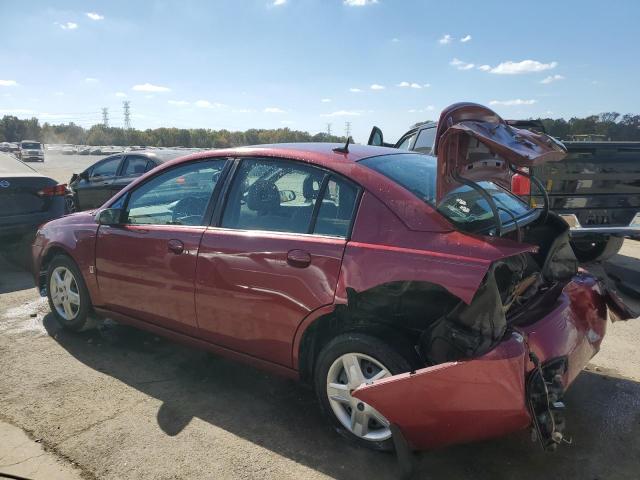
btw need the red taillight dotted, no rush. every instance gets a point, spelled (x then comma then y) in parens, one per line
(520, 185)
(53, 191)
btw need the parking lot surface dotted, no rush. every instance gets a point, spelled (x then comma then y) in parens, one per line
(121, 403)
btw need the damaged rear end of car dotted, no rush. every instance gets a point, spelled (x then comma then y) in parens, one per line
(500, 330)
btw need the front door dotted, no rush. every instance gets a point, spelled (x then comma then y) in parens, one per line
(95, 190)
(275, 256)
(146, 267)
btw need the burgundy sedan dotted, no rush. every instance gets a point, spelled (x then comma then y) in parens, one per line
(425, 303)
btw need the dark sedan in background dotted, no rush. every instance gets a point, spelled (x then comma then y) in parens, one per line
(98, 183)
(27, 200)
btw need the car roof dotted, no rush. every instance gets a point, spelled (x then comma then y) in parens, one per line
(160, 155)
(313, 152)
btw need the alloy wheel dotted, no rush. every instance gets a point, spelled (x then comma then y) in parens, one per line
(65, 294)
(347, 373)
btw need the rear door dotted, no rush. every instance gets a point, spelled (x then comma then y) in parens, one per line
(274, 255)
(95, 190)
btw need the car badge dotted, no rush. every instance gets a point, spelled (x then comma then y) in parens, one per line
(4, 184)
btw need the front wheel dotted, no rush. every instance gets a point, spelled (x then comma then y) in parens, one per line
(67, 293)
(596, 251)
(345, 363)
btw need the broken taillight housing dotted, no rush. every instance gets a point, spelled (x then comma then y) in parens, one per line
(53, 191)
(520, 185)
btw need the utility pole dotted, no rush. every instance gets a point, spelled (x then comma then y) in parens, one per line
(127, 115)
(105, 117)
(347, 129)
(329, 129)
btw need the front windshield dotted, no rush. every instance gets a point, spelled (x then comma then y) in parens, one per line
(464, 206)
(31, 145)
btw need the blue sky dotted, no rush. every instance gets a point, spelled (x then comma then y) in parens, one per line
(304, 63)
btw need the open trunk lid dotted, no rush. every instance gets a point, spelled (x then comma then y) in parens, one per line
(475, 143)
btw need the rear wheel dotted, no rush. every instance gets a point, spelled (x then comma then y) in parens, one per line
(345, 363)
(67, 293)
(596, 251)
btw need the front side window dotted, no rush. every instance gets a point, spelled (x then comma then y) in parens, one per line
(179, 196)
(424, 142)
(106, 168)
(274, 195)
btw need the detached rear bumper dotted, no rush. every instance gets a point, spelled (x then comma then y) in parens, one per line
(486, 397)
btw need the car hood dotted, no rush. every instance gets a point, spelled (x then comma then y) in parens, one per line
(474, 142)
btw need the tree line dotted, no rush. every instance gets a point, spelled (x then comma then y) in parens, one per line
(611, 125)
(13, 129)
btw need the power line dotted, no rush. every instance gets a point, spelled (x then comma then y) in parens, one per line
(127, 115)
(105, 117)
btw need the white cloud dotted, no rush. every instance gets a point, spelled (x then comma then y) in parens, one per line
(178, 103)
(375, 86)
(244, 110)
(121, 94)
(359, 3)
(342, 113)
(484, 68)
(95, 16)
(59, 94)
(395, 40)
(17, 111)
(325, 100)
(8, 83)
(91, 80)
(207, 104)
(148, 87)
(552, 78)
(466, 38)
(277, 3)
(445, 39)
(287, 122)
(409, 85)
(68, 25)
(460, 65)
(355, 90)
(273, 110)
(525, 66)
(426, 85)
(512, 103)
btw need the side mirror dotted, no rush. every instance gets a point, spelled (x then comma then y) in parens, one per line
(287, 196)
(83, 175)
(110, 216)
(376, 138)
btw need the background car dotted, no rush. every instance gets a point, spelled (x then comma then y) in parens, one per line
(95, 185)
(27, 199)
(31, 150)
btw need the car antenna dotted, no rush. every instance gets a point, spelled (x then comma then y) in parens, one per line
(344, 149)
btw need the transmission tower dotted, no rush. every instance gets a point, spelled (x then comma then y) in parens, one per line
(347, 129)
(127, 115)
(105, 117)
(329, 129)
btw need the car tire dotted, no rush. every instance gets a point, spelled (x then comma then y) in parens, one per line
(371, 353)
(70, 303)
(589, 252)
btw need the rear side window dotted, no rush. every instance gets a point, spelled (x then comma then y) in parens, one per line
(406, 143)
(337, 208)
(272, 195)
(135, 166)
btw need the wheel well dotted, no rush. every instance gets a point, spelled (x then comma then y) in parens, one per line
(46, 260)
(396, 313)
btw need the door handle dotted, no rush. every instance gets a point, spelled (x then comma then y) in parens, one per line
(298, 258)
(175, 246)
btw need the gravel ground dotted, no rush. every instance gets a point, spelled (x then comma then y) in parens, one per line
(121, 403)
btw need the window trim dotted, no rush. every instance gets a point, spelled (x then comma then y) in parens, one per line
(215, 194)
(216, 220)
(105, 160)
